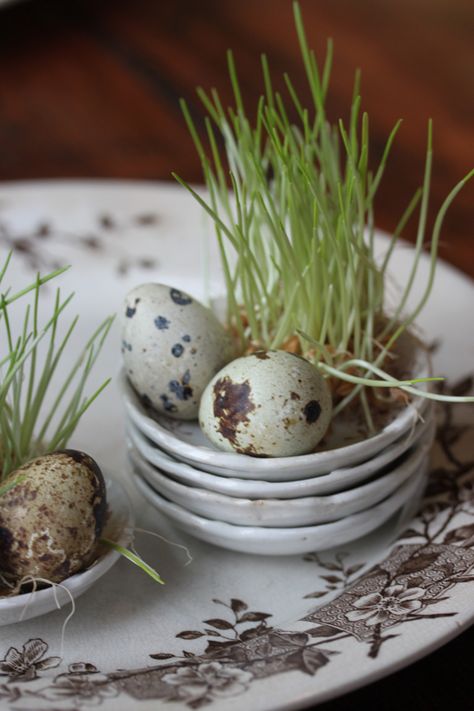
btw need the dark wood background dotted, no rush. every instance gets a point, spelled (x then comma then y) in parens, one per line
(90, 88)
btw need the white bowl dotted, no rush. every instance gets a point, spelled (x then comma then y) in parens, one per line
(288, 541)
(185, 441)
(119, 529)
(281, 513)
(330, 483)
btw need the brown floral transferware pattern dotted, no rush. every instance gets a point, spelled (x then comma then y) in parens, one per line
(40, 246)
(241, 646)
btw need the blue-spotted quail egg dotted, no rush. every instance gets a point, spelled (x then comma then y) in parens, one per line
(267, 404)
(172, 346)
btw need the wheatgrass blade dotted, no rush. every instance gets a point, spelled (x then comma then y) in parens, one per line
(133, 558)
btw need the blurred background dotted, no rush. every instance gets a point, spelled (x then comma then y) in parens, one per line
(90, 88)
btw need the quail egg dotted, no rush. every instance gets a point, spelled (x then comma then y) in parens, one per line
(51, 520)
(267, 404)
(172, 346)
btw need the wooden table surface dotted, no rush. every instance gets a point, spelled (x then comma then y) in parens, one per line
(90, 89)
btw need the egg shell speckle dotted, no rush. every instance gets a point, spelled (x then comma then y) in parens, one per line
(267, 404)
(51, 520)
(171, 346)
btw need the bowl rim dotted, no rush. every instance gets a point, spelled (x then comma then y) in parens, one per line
(229, 531)
(235, 462)
(363, 497)
(229, 485)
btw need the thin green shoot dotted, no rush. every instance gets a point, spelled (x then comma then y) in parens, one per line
(33, 420)
(8, 485)
(134, 558)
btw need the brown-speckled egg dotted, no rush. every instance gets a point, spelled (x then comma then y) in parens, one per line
(267, 404)
(51, 520)
(172, 345)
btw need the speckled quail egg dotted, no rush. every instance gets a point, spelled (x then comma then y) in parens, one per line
(172, 346)
(267, 404)
(50, 522)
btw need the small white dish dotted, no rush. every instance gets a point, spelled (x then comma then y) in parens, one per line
(287, 541)
(330, 483)
(185, 441)
(281, 513)
(18, 608)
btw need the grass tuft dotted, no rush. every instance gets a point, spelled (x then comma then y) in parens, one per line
(293, 208)
(30, 423)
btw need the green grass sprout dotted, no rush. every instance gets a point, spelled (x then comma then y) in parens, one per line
(135, 559)
(30, 424)
(6, 486)
(291, 195)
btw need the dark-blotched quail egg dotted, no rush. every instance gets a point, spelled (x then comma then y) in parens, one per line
(172, 346)
(51, 520)
(267, 404)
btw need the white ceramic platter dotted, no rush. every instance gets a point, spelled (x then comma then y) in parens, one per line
(119, 528)
(229, 631)
(332, 482)
(305, 511)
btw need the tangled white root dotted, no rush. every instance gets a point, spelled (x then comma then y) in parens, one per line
(34, 582)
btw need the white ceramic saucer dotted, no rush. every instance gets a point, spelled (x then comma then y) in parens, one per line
(330, 483)
(185, 441)
(126, 617)
(282, 513)
(287, 541)
(119, 529)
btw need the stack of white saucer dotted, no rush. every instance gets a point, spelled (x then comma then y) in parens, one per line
(282, 505)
